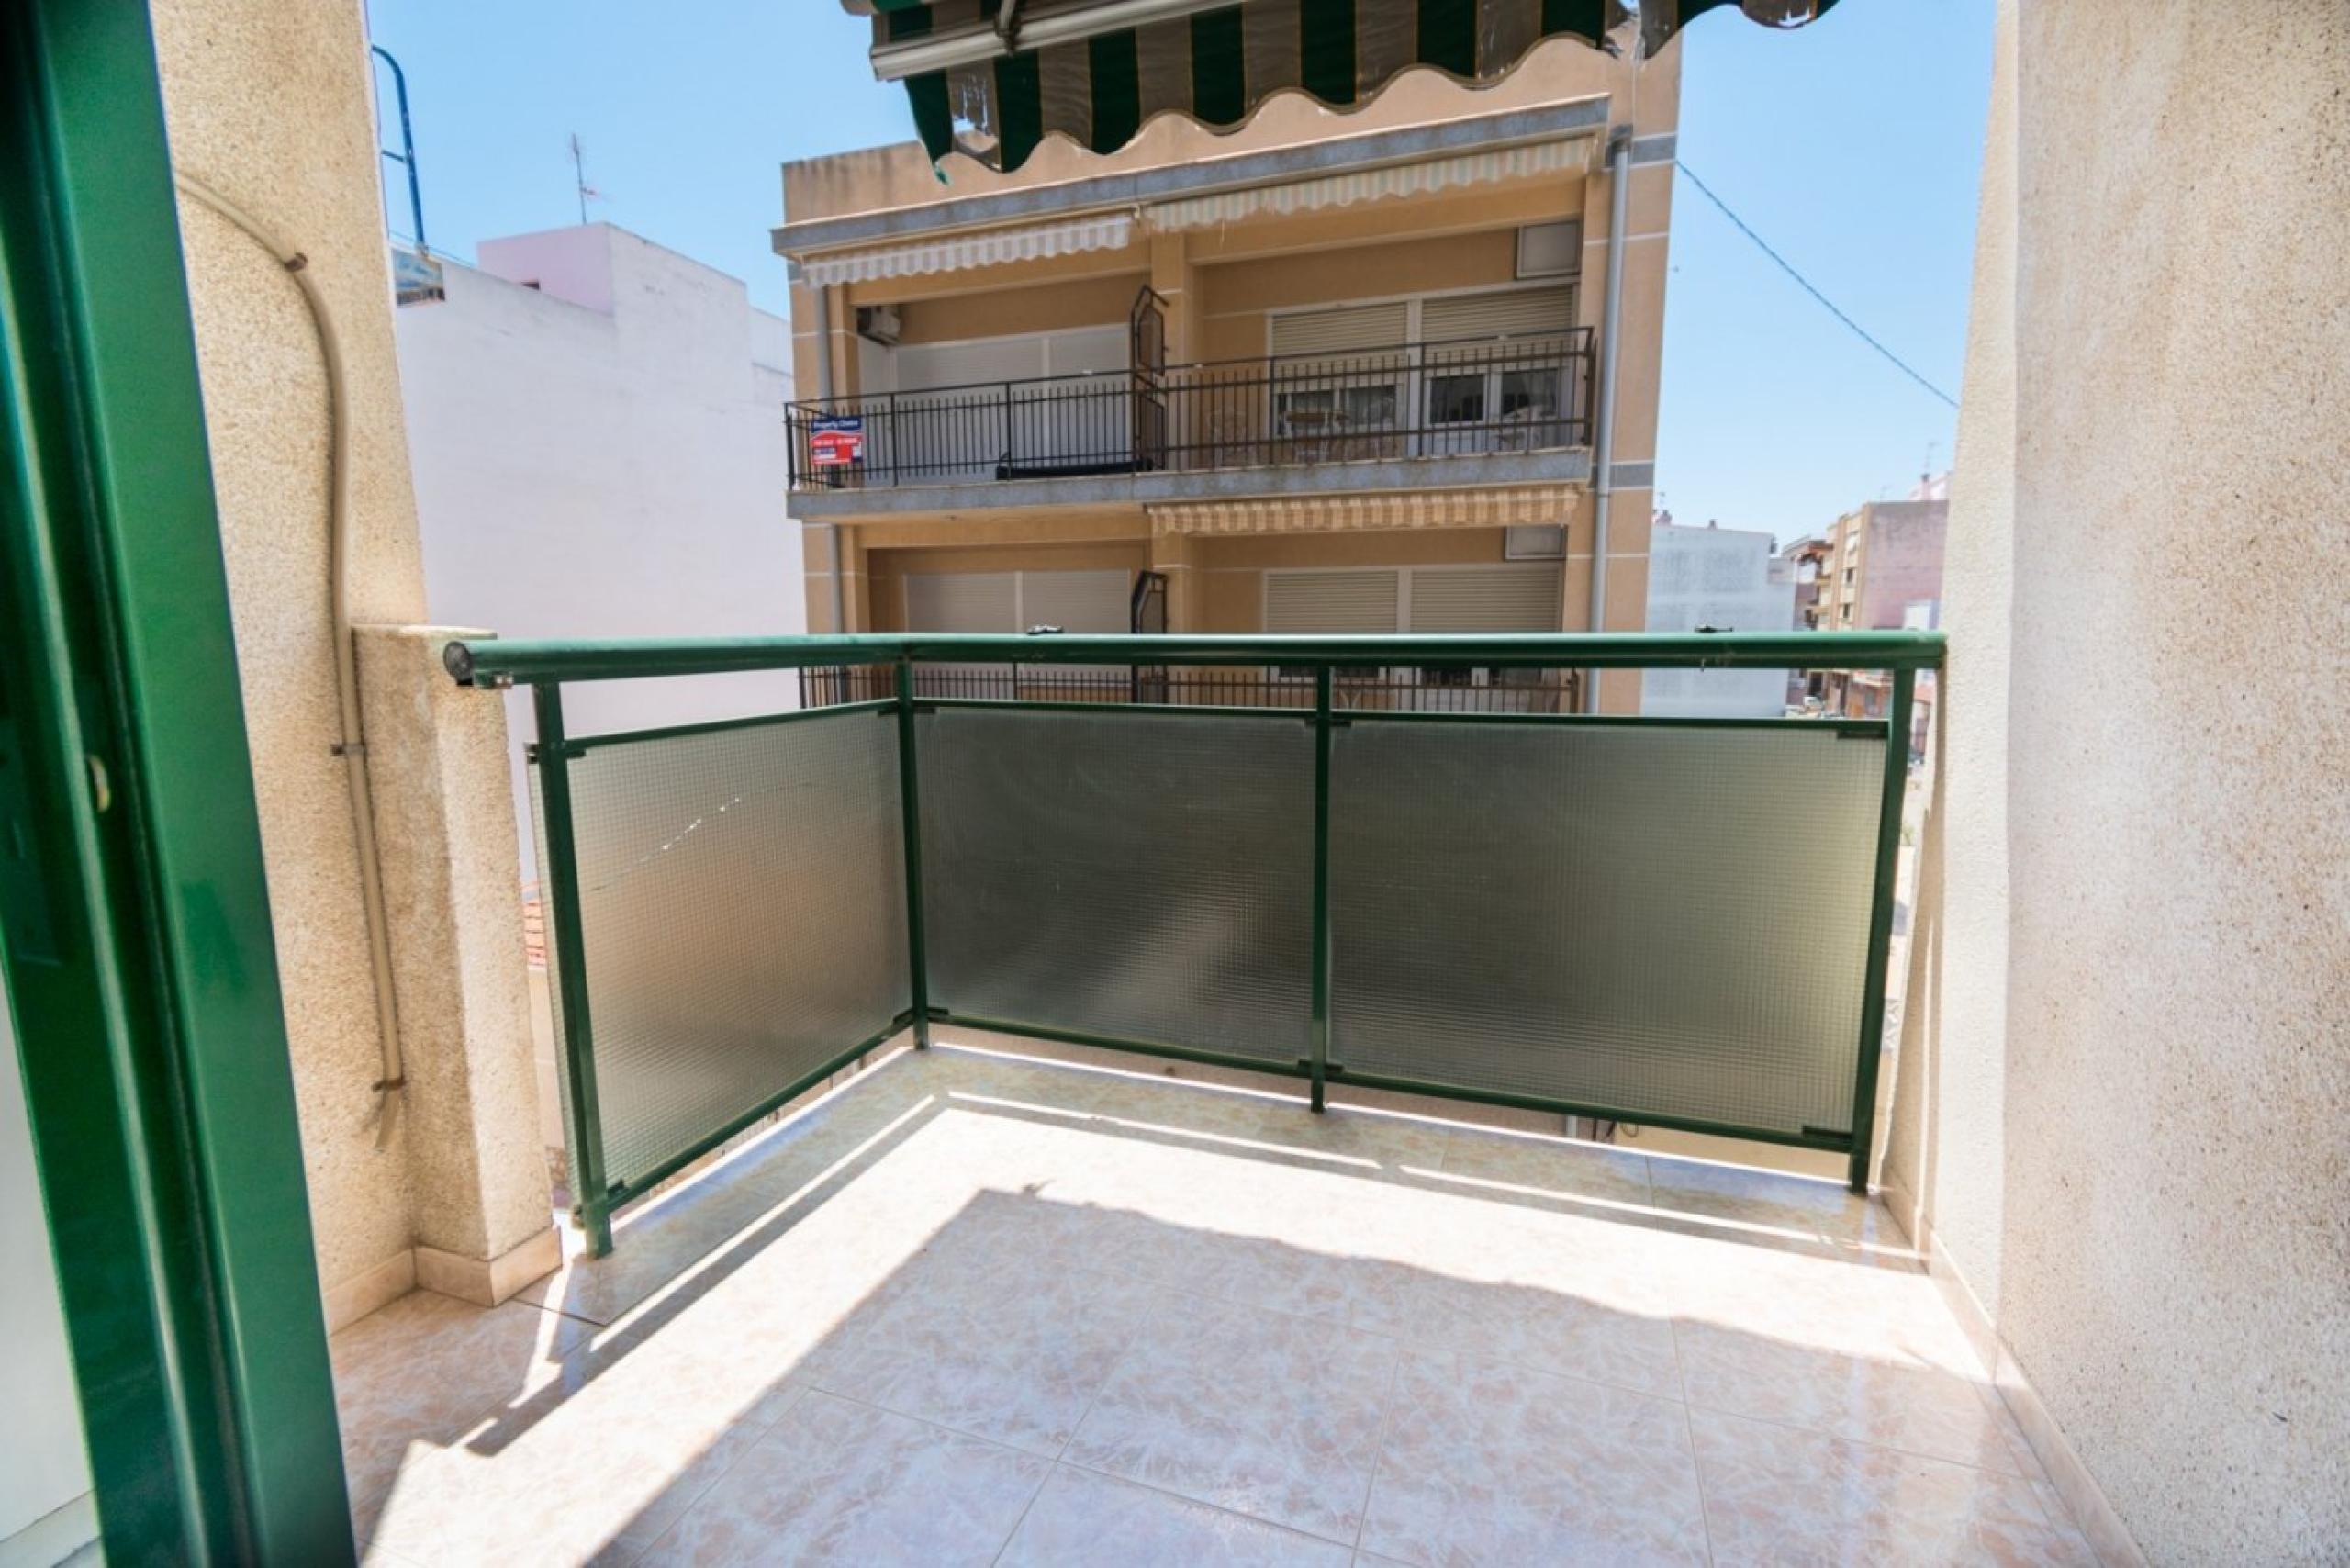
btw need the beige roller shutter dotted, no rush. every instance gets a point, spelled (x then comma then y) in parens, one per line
(1348, 330)
(1516, 312)
(1326, 604)
(1485, 598)
(1080, 603)
(921, 366)
(962, 602)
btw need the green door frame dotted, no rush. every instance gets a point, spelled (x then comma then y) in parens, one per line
(133, 910)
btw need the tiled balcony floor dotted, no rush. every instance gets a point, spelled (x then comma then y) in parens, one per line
(973, 1308)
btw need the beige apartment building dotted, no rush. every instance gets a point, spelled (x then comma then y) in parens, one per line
(1882, 563)
(1331, 373)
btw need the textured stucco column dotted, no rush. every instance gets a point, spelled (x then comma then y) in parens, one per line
(1174, 279)
(1173, 555)
(2123, 1078)
(269, 104)
(444, 818)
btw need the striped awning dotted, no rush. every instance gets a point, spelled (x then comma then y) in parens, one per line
(1423, 178)
(986, 248)
(995, 77)
(1501, 506)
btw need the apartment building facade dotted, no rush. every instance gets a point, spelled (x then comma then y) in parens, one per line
(1329, 373)
(1880, 559)
(1808, 568)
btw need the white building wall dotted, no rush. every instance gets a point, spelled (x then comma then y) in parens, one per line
(595, 425)
(1720, 577)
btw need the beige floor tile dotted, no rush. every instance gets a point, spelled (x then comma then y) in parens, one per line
(1485, 1462)
(1366, 1143)
(1771, 1200)
(1082, 1518)
(1007, 1354)
(1520, 1166)
(1774, 1495)
(598, 1462)
(1893, 1403)
(838, 1481)
(1546, 1327)
(1273, 1417)
(1257, 1271)
(1816, 1298)
(418, 1374)
(1200, 1298)
(674, 1231)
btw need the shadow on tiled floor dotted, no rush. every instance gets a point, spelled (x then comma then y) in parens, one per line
(979, 1308)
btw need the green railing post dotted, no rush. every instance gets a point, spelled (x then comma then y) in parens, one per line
(560, 877)
(910, 804)
(1318, 1061)
(1873, 989)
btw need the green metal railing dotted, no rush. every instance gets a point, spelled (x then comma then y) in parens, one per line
(1681, 923)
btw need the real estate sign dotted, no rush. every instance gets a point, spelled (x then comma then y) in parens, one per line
(835, 440)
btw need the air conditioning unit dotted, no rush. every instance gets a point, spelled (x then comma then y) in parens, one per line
(880, 323)
(1551, 250)
(1535, 541)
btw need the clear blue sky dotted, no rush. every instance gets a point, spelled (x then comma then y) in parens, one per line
(1852, 145)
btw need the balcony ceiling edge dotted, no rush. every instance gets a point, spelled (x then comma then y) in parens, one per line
(1569, 467)
(1129, 189)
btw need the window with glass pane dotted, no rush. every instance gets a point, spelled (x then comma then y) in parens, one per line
(1532, 393)
(1358, 408)
(1457, 399)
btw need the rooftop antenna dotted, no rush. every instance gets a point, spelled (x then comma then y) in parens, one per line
(579, 176)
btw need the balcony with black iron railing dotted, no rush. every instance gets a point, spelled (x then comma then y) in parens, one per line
(1472, 397)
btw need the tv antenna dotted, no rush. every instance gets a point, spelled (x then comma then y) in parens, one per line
(579, 176)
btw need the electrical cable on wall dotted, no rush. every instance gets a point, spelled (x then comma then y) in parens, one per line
(352, 748)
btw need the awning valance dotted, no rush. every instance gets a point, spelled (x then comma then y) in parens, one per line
(1010, 71)
(988, 248)
(1370, 185)
(1501, 506)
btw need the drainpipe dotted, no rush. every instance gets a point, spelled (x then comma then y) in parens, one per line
(825, 396)
(1603, 490)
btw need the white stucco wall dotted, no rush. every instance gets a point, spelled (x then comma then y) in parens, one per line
(604, 455)
(1721, 577)
(2126, 1075)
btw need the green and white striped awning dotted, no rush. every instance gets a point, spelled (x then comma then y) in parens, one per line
(995, 77)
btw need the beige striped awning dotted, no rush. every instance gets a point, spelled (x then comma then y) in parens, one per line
(1501, 507)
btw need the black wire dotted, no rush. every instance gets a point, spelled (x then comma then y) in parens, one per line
(1784, 266)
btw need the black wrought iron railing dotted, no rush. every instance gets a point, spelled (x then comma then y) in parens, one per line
(1403, 688)
(1429, 399)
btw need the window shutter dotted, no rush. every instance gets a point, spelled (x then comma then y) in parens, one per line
(961, 601)
(1356, 328)
(1092, 349)
(1300, 604)
(1080, 603)
(924, 365)
(1485, 598)
(1518, 312)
